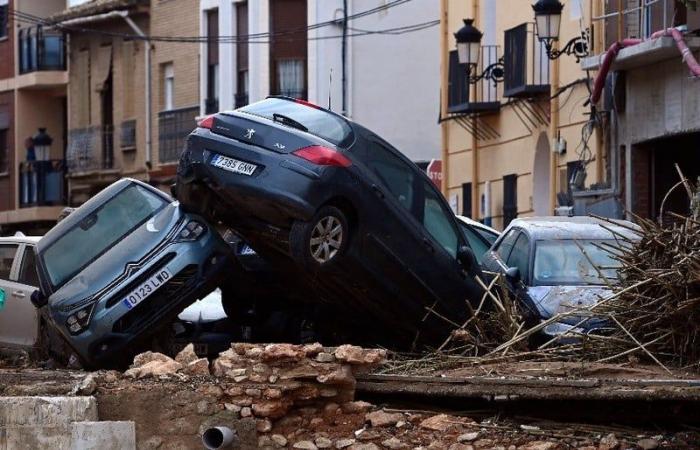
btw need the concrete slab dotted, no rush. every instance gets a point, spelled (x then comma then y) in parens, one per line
(103, 436)
(644, 54)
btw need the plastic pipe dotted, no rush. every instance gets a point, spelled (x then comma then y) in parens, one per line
(219, 437)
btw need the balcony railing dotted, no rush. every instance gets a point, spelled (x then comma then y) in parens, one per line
(173, 128)
(526, 63)
(90, 149)
(127, 135)
(241, 100)
(41, 49)
(42, 183)
(486, 95)
(211, 106)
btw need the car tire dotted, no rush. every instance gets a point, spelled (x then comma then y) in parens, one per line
(321, 242)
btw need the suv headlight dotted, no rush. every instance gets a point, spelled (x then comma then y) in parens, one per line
(192, 231)
(79, 320)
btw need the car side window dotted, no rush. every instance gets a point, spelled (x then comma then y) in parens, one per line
(506, 245)
(397, 176)
(27, 272)
(519, 256)
(7, 257)
(436, 219)
(476, 242)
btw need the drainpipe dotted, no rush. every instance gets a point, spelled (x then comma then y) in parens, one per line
(345, 58)
(554, 131)
(125, 15)
(444, 32)
(475, 141)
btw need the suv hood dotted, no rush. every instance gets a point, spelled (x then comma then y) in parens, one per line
(118, 262)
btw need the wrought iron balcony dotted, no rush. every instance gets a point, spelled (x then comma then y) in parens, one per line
(173, 127)
(526, 63)
(90, 149)
(41, 49)
(241, 100)
(487, 79)
(42, 183)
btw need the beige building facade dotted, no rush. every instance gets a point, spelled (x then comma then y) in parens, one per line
(510, 148)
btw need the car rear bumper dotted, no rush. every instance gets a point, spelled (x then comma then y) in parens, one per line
(280, 190)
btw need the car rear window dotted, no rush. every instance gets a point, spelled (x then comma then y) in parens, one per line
(318, 122)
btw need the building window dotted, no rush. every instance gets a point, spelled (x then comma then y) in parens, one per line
(168, 86)
(4, 17)
(212, 101)
(288, 56)
(242, 55)
(510, 199)
(4, 150)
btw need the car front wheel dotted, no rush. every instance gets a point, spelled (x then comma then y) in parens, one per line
(321, 242)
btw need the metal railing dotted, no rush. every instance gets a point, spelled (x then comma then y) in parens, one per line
(634, 18)
(42, 183)
(41, 49)
(173, 127)
(526, 63)
(241, 100)
(211, 105)
(90, 149)
(127, 135)
(488, 90)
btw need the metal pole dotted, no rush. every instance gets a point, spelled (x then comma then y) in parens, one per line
(475, 139)
(444, 97)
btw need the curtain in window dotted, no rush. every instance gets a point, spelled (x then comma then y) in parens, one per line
(290, 77)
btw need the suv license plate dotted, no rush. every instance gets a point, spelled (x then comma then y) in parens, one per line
(233, 165)
(147, 288)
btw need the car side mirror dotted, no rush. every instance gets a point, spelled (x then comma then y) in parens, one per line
(466, 257)
(38, 299)
(513, 274)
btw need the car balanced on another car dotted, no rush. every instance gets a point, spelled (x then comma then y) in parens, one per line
(321, 196)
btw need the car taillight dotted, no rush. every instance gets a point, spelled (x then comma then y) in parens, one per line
(307, 103)
(207, 122)
(323, 156)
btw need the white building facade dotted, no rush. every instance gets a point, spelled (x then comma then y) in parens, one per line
(386, 79)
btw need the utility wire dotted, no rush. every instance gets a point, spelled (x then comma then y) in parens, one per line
(250, 38)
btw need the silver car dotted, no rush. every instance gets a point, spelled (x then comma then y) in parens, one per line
(121, 267)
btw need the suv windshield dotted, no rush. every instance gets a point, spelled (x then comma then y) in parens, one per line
(99, 231)
(563, 262)
(317, 121)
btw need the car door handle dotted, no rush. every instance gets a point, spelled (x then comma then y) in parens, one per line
(428, 244)
(19, 294)
(378, 191)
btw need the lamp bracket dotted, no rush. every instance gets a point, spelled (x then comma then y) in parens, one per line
(493, 72)
(577, 46)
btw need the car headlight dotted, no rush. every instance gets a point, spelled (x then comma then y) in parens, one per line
(79, 320)
(192, 231)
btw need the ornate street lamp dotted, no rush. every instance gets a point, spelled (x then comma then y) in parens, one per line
(468, 46)
(547, 26)
(42, 145)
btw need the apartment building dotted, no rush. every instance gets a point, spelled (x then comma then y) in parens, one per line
(378, 75)
(653, 101)
(131, 101)
(33, 83)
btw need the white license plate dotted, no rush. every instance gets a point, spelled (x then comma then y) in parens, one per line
(147, 288)
(233, 165)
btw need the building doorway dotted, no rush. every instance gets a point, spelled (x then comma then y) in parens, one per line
(540, 177)
(655, 174)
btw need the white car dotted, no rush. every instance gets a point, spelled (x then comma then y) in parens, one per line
(19, 319)
(481, 237)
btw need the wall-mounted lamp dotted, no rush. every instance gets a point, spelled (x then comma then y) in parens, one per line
(468, 46)
(548, 22)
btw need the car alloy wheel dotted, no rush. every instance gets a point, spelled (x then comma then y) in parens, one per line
(326, 239)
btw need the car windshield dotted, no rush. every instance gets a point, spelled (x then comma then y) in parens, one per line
(317, 121)
(563, 262)
(99, 231)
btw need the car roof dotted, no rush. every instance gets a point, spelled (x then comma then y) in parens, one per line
(19, 239)
(577, 227)
(476, 224)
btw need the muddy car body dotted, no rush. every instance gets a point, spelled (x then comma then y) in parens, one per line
(120, 266)
(560, 265)
(318, 195)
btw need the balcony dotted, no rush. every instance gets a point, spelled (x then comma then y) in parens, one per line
(211, 106)
(42, 183)
(90, 149)
(241, 100)
(173, 127)
(127, 135)
(526, 63)
(487, 92)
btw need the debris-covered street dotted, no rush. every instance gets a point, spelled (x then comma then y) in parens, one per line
(349, 224)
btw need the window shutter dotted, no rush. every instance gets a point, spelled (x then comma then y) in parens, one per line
(510, 198)
(457, 90)
(467, 200)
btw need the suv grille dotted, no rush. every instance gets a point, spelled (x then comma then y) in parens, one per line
(119, 296)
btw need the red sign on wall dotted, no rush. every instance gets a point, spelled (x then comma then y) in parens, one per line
(435, 172)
